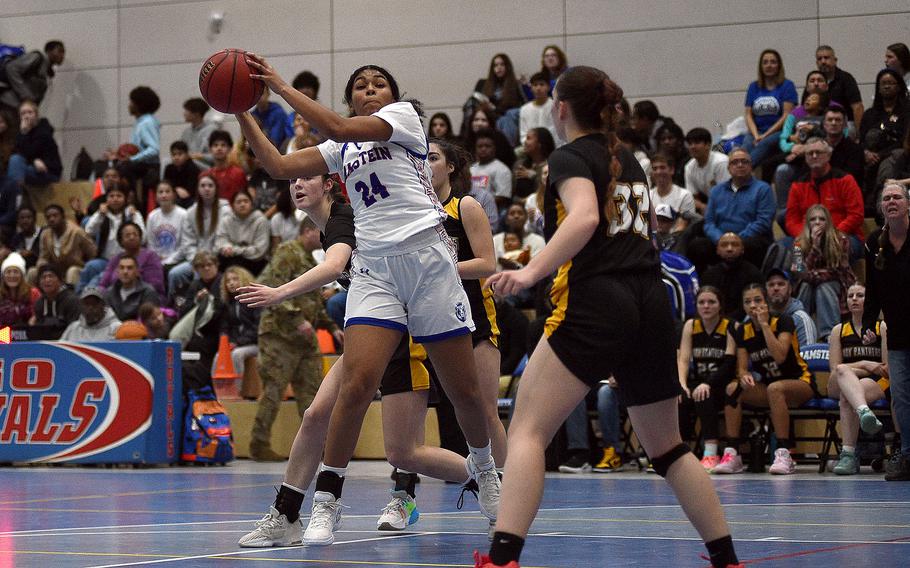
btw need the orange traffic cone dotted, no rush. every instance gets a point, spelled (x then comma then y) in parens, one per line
(224, 366)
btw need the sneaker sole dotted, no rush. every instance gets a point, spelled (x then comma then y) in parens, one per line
(389, 527)
(871, 426)
(270, 544)
(326, 542)
(565, 469)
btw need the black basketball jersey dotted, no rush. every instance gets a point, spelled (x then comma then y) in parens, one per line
(852, 347)
(622, 245)
(483, 309)
(750, 337)
(708, 349)
(340, 229)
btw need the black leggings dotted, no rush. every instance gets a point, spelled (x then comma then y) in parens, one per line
(708, 410)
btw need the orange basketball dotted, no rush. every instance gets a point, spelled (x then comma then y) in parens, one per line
(225, 83)
(131, 330)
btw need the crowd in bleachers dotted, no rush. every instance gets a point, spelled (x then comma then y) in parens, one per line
(782, 200)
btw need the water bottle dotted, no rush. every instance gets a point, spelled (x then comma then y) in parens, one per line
(799, 263)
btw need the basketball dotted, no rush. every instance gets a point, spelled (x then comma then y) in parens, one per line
(131, 330)
(225, 83)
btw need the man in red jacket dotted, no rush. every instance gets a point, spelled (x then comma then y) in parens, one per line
(834, 189)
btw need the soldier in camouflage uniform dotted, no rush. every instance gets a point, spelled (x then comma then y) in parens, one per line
(288, 349)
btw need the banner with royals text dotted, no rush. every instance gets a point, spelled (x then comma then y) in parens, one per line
(108, 402)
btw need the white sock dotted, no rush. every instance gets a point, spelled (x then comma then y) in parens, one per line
(711, 449)
(731, 451)
(862, 408)
(404, 471)
(339, 471)
(483, 457)
(292, 488)
(849, 449)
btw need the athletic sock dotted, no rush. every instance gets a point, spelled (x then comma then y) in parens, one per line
(848, 449)
(722, 552)
(710, 449)
(506, 547)
(331, 480)
(289, 501)
(862, 408)
(483, 457)
(406, 481)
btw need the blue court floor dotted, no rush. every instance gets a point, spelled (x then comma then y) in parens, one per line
(65, 516)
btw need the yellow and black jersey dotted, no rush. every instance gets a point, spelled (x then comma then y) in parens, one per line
(709, 348)
(620, 245)
(853, 349)
(750, 338)
(483, 309)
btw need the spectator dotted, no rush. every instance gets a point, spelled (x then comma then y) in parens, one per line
(645, 121)
(207, 283)
(148, 264)
(301, 136)
(8, 131)
(103, 226)
(242, 237)
(64, 245)
(768, 102)
(824, 274)
(847, 154)
(288, 350)
(284, 225)
(671, 143)
(97, 321)
(833, 188)
(230, 178)
(272, 118)
(631, 142)
(58, 305)
(27, 238)
(152, 317)
(29, 75)
(239, 321)
(17, 297)
(842, 86)
(263, 188)
(610, 429)
(502, 95)
(664, 190)
(35, 159)
(10, 196)
(887, 282)
(708, 349)
(742, 205)
(884, 126)
(483, 120)
(307, 84)
(896, 167)
(663, 231)
(165, 227)
(534, 203)
(441, 127)
(803, 123)
(539, 111)
(515, 220)
(553, 62)
(488, 173)
(182, 173)
(145, 165)
(859, 377)
(129, 291)
(897, 57)
(706, 169)
(199, 228)
(731, 274)
(765, 340)
(110, 178)
(195, 137)
(782, 302)
(538, 145)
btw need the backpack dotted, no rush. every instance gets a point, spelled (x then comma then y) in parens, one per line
(207, 434)
(678, 274)
(10, 51)
(779, 257)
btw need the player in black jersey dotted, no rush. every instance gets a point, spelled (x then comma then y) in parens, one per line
(611, 316)
(769, 343)
(707, 345)
(858, 377)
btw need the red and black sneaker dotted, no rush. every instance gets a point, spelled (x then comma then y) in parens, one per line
(482, 561)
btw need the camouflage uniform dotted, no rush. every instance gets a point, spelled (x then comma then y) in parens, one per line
(285, 356)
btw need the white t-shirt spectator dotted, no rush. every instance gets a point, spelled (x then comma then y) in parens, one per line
(287, 228)
(532, 240)
(165, 234)
(701, 180)
(533, 116)
(494, 177)
(680, 199)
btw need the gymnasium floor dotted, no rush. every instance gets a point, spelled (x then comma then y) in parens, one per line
(67, 516)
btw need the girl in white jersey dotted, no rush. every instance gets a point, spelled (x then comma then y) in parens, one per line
(404, 276)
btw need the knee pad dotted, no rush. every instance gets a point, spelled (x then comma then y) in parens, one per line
(661, 464)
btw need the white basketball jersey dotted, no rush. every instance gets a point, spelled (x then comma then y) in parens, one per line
(389, 183)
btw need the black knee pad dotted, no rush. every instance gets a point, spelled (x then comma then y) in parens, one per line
(661, 464)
